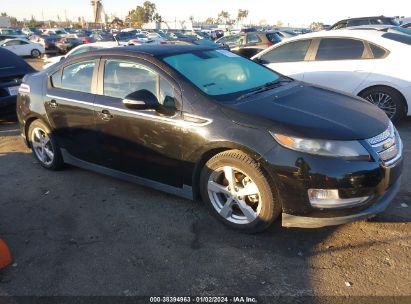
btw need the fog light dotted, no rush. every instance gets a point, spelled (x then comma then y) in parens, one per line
(330, 198)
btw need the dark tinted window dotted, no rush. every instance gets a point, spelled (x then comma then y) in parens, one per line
(253, 38)
(78, 76)
(14, 42)
(358, 22)
(340, 25)
(339, 49)
(377, 51)
(293, 51)
(122, 78)
(403, 38)
(273, 37)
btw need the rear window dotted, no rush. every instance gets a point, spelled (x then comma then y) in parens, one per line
(339, 49)
(403, 38)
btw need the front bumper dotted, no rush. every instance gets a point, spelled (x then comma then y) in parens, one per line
(289, 220)
(295, 172)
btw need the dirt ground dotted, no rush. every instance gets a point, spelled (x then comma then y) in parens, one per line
(74, 232)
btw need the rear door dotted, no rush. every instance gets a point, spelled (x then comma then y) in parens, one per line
(70, 107)
(340, 63)
(288, 59)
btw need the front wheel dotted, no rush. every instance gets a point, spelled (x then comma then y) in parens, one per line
(238, 192)
(44, 146)
(387, 99)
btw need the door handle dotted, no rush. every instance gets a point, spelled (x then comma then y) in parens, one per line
(53, 104)
(106, 115)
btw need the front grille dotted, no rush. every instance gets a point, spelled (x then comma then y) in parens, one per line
(388, 145)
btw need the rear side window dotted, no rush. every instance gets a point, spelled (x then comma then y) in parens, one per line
(76, 77)
(358, 22)
(339, 49)
(377, 51)
(290, 52)
(274, 37)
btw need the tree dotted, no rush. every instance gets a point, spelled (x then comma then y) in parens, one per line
(223, 16)
(33, 22)
(242, 14)
(3, 14)
(316, 26)
(209, 20)
(143, 14)
(191, 19)
(279, 23)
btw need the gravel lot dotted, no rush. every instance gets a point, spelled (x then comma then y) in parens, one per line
(74, 232)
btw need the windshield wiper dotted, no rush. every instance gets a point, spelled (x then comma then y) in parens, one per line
(267, 86)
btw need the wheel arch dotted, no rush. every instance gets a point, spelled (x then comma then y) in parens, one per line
(389, 86)
(206, 154)
(29, 121)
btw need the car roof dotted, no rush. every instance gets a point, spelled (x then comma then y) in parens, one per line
(153, 50)
(361, 18)
(361, 34)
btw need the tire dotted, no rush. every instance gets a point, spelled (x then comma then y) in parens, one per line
(387, 99)
(42, 142)
(248, 213)
(35, 53)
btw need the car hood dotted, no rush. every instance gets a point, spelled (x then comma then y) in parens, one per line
(307, 111)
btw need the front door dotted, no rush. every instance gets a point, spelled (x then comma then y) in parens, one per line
(143, 143)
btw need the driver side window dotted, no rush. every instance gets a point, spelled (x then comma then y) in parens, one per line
(122, 78)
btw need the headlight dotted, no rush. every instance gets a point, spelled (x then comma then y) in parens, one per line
(333, 148)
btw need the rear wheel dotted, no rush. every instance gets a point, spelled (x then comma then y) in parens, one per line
(387, 99)
(238, 192)
(44, 146)
(35, 53)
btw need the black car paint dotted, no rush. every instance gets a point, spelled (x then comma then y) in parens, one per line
(12, 70)
(172, 154)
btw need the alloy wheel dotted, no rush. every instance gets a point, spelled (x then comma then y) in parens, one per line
(384, 101)
(42, 146)
(234, 195)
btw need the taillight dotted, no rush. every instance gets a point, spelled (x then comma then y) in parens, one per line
(268, 44)
(163, 42)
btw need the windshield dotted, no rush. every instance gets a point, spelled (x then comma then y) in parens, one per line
(10, 32)
(220, 72)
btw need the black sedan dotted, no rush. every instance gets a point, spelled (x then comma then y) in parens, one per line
(199, 122)
(12, 70)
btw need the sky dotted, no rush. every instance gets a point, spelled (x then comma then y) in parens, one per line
(294, 13)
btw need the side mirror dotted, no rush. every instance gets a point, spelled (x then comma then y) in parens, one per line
(141, 100)
(62, 58)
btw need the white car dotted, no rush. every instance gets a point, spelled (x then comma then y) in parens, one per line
(23, 47)
(367, 63)
(80, 49)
